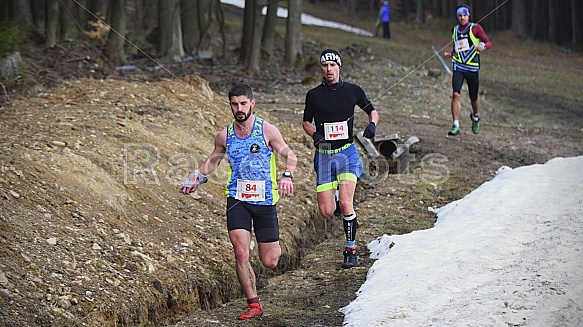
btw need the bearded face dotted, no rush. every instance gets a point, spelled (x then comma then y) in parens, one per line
(241, 116)
(242, 107)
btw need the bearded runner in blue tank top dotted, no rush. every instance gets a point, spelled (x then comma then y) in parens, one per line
(252, 168)
(252, 190)
(330, 106)
(469, 39)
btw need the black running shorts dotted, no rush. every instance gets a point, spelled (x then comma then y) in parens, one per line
(240, 215)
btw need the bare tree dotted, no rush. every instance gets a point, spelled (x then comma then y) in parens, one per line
(22, 14)
(204, 44)
(406, 8)
(221, 20)
(67, 19)
(519, 18)
(169, 29)
(293, 36)
(196, 20)
(117, 34)
(254, 59)
(470, 4)
(420, 16)
(553, 20)
(269, 26)
(500, 21)
(536, 17)
(574, 22)
(190, 25)
(455, 4)
(437, 8)
(38, 9)
(53, 14)
(148, 17)
(445, 9)
(88, 11)
(247, 37)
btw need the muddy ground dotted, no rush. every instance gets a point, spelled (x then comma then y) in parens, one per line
(93, 231)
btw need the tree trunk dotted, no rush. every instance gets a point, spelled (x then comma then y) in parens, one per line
(116, 39)
(445, 10)
(169, 29)
(221, 19)
(536, 19)
(22, 15)
(67, 20)
(453, 6)
(574, 22)
(39, 12)
(473, 10)
(553, 21)
(436, 7)
(98, 8)
(255, 53)
(420, 17)
(519, 18)
(149, 17)
(293, 36)
(196, 21)
(269, 27)
(507, 16)
(203, 47)
(497, 25)
(52, 22)
(163, 33)
(406, 9)
(190, 25)
(247, 37)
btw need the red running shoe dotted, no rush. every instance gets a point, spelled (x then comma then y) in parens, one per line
(255, 310)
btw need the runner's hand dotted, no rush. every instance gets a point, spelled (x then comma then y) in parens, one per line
(369, 131)
(192, 182)
(318, 138)
(285, 187)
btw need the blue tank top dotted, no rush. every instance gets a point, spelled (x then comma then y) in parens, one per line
(252, 167)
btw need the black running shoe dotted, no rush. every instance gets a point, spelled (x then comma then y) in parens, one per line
(350, 259)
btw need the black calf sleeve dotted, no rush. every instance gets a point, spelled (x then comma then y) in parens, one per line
(350, 229)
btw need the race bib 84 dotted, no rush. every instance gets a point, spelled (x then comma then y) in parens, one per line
(250, 190)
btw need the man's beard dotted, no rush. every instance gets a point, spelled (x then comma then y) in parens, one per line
(243, 119)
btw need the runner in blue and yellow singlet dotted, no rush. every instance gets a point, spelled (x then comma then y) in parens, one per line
(469, 39)
(252, 189)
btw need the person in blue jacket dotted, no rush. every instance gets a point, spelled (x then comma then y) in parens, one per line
(385, 18)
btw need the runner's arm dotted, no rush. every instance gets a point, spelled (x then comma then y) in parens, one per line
(480, 34)
(199, 176)
(277, 143)
(214, 159)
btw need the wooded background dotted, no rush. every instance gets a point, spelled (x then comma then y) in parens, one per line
(179, 28)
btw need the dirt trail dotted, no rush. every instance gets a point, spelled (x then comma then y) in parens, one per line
(93, 231)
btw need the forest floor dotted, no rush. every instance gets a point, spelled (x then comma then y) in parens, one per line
(93, 232)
